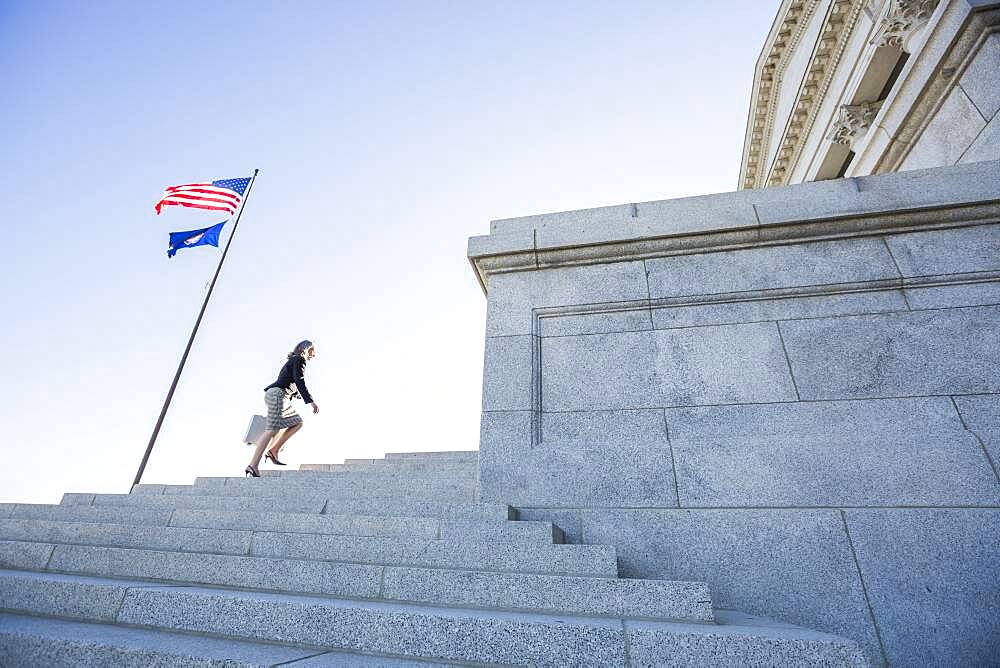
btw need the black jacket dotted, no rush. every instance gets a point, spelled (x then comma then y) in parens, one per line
(294, 371)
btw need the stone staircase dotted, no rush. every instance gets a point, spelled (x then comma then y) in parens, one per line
(385, 562)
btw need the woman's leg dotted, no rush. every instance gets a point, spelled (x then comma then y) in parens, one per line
(287, 434)
(262, 442)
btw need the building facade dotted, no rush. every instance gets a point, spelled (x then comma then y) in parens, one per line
(859, 87)
(790, 391)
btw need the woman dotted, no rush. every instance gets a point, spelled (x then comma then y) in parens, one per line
(291, 383)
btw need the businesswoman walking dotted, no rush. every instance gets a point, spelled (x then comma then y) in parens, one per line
(291, 384)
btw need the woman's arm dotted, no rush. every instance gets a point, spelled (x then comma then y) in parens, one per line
(299, 376)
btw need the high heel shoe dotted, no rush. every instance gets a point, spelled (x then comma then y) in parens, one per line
(268, 455)
(252, 471)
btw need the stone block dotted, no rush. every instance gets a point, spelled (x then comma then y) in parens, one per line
(794, 565)
(933, 578)
(981, 415)
(981, 79)
(608, 597)
(449, 635)
(504, 440)
(309, 504)
(954, 127)
(831, 453)
(287, 575)
(507, 379)
(566, 520)
(115, 535)
(96, 514)
(513, 296)
(652, 644)
(501, 531)
(508, 241)
(600, 372)
(405, 507)
(950, 351)
(504, 557)
(625, 319)
(356, 525)
(816, 263)
(987, 144)
(952, 251)
(722, 364)
(951, 296)
(26, 555)
(789, 308)
(31, 642)
(77, 499)
(60, 596)
(6, 509)
(611, 217)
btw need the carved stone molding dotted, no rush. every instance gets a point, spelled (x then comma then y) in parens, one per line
(839, 24)
(903, 22)
(852, 122)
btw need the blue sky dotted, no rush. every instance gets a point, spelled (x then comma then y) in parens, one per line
(386, 133)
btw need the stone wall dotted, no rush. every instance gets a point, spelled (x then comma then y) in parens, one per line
(804, 413)
(966, 127)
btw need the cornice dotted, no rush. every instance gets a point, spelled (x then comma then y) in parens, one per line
(789, 25)
(838, 25)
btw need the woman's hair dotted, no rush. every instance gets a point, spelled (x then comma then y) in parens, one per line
(300, 348)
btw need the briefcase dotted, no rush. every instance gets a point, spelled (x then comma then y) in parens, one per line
(256, 428)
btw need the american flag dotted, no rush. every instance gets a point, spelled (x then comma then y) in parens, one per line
(221, 195)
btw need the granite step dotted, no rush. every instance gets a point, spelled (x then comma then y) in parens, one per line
(524, 557)
(397, 506)
(444, 455)
(578, 595)
(482, 530)
(326, 484)
(32, 642)
(441, 633)
(278, 488)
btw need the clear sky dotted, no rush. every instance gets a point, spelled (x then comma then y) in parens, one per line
(386, 133)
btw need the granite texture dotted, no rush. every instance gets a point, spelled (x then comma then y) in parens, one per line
(981, 81)
(817, 263)
(941, 252)
(609, 597)
(110, 515)
(620, 319)
(933, 578)
(26, 555)
(987, 144)
(950, 351)
(853, 453)
(789, 308)
(60, 596)
(599, 372)
(307, 504)
(981, 416)
(116, 535)
(6, 509)
(505, 638)
(951, 296)
(710, 365)
(794, 565)
(651, 644)
(955, 125)
(507, 373)
(286, 575)
(505, 557)
(47, 643)
(513, 296)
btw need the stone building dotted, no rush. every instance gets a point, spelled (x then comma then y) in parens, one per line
(859, 87)
(791, 391)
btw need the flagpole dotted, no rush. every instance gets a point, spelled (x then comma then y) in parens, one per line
(194, 332)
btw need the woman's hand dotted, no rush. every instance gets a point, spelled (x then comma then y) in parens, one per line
(315, 407)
